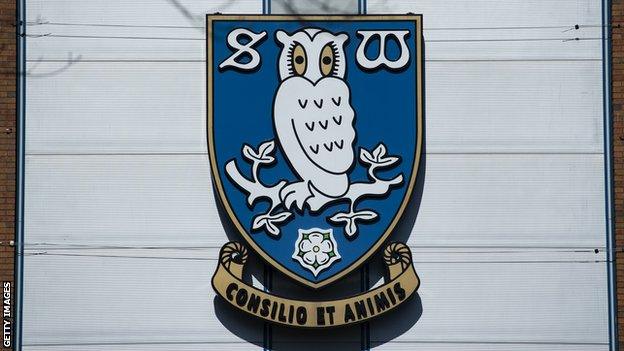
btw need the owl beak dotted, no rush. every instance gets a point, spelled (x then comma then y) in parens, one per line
(315, 77)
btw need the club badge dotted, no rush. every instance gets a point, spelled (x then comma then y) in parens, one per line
(314, 136)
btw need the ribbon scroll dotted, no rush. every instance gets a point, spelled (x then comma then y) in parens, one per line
(227, 282)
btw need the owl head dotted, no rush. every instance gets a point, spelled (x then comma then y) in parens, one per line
(311, 53)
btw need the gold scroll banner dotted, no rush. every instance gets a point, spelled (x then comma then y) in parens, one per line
(227, 282)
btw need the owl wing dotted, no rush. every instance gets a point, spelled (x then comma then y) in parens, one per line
(314, 123)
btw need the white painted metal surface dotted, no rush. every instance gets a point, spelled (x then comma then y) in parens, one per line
(497, 107)
(121, 224)
(125, 297)
(166, 200)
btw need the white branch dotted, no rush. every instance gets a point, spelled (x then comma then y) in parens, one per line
(360, 190)
(378, 187)
(377, 159)
(255, 190)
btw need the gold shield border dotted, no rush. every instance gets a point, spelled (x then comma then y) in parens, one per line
(210, 131)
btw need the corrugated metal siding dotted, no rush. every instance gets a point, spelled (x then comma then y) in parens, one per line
(121, 227)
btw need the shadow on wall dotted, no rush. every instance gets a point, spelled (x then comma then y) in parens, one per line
(244, 326)
(387, 328)
(396, 323)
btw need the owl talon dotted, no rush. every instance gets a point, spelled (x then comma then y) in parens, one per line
(296, 193)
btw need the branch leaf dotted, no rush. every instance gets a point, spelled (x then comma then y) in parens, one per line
(266, 148)
(263, 156)
(378, 157)
(258, 222)
(366, 156)
(280, 217)
(271, 228)
(365, 215)
(250, 153)
(264, 221)
(391, 160)
(379, 152)
(267, 159)
(350, 220)
(387, 161)
(351, 228)
(268, 221)
(339, 217)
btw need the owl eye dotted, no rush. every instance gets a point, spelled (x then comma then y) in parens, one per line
(327, 60)
(299, 60)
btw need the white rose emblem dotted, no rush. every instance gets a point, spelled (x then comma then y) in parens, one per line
(316, 249)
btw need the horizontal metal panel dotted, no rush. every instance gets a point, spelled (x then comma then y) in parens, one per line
(103, 298)
(351, 283)
(121, 200)
(186, 13)
(188, 346)
(465, 303)
(336, 339)
(75, 43)
(512, 200)
(433, 346)
(160, 107)
(454, 13)
(505, 106)
(95, 298)
(314, 7)
(487, 30)
(167, 200)
(507, 30)
(313, 345)
(495, 13)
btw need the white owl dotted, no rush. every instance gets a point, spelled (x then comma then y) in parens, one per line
(313, 116)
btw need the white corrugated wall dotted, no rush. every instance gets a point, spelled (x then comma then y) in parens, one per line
(121, 227)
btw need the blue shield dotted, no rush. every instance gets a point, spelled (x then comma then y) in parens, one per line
(314, 134)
